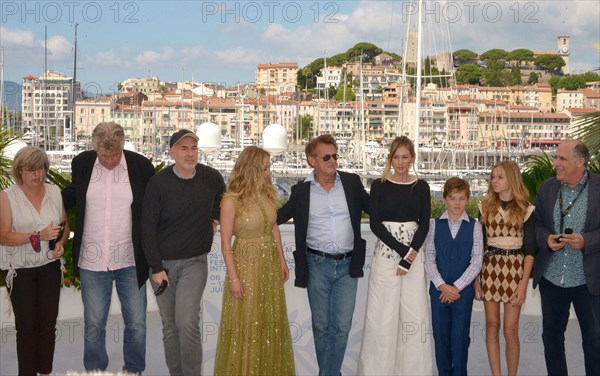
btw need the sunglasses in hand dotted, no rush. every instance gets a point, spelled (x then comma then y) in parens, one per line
(162, 287)
(61, 232)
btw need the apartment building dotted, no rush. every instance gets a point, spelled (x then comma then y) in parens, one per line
(533, 129)
(277, 78)
(144, 85)
(91, 112)
(591, 98)
(568, 99)
(330, 77)
(47, 106)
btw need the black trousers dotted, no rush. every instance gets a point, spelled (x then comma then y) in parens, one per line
(556, 302)
(34, 299)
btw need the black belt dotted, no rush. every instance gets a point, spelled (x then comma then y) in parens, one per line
(333, 256)
(492, 251)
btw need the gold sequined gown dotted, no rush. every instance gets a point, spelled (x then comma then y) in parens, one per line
(254, 336)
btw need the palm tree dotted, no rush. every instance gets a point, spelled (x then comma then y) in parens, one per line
(588, 131)
(6, 137)
(538, 169)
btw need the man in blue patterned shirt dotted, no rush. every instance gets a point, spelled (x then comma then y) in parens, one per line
(567, 224)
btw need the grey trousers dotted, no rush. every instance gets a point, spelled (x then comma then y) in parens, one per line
(179, 309)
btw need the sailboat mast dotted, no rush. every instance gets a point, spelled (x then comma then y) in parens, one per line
(74, 89)
(2, 86)
(418, 80)
(362, 119)
(45, 83)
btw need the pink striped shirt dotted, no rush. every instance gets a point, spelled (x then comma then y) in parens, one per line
(107, 243)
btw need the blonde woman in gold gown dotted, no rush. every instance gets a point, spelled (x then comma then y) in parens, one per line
(254, 336)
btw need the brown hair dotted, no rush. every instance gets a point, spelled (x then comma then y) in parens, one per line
(401, 141)
(30, 158)
(456, 184)
(311, 147)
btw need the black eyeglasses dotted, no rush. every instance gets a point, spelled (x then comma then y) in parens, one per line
(327, 157)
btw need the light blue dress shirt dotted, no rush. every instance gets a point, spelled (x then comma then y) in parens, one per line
(329, 226)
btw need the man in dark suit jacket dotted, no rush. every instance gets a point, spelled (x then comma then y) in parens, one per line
(330, 253)
(107, 190)
(567, 224)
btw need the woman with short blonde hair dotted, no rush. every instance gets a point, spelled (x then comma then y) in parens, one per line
(33, 229)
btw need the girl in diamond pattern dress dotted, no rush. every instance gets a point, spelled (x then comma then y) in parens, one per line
(509, 236)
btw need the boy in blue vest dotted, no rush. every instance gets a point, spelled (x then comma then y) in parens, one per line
(453, 257)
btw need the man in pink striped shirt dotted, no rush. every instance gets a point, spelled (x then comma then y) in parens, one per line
(107, 190)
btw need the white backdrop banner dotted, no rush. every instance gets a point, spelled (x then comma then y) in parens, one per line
(297, 305)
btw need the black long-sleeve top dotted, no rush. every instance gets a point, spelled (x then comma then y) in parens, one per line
(400, 202)
(177, 216)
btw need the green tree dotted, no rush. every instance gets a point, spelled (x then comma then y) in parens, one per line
(514, 76)
(303, 127)
(520, 55)
(553, 82)
(591, 76)
(538, 168)
(549, 62)
(350, 95)
(571, 82)
(464, 56)
(533, 78)
(331, 92)
(494, 54)
(468, 74)
(337, 60)
(588, 131)
(7, 136)
(304, 78)
(492, 74)
(367, 50)
(162, 90)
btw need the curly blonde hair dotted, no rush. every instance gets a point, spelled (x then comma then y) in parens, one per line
(491, 202)
(246, 182)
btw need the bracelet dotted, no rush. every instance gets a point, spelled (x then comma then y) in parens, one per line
(228, 252)
(34, 239)
(234, 280)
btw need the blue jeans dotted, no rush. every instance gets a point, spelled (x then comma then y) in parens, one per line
(96, 292)
(556, 302)
(179, 307)
(331, 295)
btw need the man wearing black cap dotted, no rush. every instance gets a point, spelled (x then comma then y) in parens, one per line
(180, 205)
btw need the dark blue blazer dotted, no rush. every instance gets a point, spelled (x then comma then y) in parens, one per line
(297, 207)
(140, 170)
(544, 226)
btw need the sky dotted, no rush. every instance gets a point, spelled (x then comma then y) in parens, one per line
(223, 41)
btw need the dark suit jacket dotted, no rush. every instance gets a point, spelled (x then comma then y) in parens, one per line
(544, 226)
(297, 208)
(140, 170)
